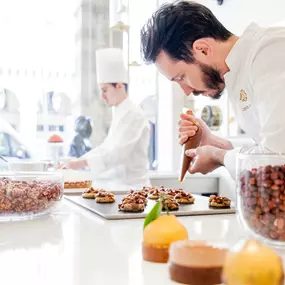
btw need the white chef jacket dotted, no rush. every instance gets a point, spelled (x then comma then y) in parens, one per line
(122, 158)
(256, 88)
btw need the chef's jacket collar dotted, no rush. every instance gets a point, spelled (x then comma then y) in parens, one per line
(122, 108)
(238, 51)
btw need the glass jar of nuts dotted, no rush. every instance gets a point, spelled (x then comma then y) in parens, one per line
(261, 196)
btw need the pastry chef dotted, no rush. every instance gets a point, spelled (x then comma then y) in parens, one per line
(123, 155)
(191, 47)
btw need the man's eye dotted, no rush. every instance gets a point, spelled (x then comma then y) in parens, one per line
(181, 78)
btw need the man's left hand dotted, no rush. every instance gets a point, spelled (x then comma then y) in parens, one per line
(205, 159)
(76, 164)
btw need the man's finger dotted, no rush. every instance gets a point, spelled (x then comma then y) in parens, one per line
(191, 152)
(183, 139)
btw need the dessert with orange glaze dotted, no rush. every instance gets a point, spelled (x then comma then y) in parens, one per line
(251, 262)
(158, 235)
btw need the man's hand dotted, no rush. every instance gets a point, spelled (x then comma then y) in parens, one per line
(188, 128)
(76, 164)
(206, 159)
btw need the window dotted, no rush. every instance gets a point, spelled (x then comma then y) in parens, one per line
(4, 145)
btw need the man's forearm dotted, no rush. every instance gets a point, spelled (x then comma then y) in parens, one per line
(221, 143)
(219, 155)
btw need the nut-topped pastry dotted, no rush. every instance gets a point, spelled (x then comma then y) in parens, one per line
(154, 193)
(142, 192)
(170, 203)
(135, 194)
(91, 193)
(219, 202)
(105, 197)
(132, 203)
(184, 198)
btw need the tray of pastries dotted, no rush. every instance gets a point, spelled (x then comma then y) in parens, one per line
(138, 203)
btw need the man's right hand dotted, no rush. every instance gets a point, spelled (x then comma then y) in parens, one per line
(188, 128)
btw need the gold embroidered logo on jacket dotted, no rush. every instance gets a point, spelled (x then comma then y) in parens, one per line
(242, 96)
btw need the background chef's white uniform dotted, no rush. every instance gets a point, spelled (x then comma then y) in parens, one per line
(122, 158)
(256, 88)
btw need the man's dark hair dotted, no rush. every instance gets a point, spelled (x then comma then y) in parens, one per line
(125, 84)
(174, 27)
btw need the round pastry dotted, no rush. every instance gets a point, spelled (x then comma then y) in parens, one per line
(184, 198)
(154, 194)
(219, 202)
(136, 195)
(170, 203)
(105, 197)
(158, 235)
(251, 262)
(91, 193)
(134, 203)
(196, 263)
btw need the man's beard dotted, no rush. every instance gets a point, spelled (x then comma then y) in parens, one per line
(212, 80)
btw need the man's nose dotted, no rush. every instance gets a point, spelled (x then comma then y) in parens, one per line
(186, 89)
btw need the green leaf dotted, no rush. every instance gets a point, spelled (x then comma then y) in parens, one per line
(153, 214)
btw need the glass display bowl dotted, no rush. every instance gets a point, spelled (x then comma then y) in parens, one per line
(261, 196)
(26, 195)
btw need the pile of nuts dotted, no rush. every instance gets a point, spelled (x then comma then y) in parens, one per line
(262, 193)
(28, 196)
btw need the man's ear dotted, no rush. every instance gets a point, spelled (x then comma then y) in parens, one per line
(120, 86)
(202, 50)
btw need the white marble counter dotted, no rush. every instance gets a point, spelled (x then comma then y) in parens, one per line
(76, 247)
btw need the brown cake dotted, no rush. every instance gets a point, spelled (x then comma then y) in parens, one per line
(78, 184)
(196, 263)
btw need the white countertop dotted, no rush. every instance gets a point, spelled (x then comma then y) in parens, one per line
(77, 247)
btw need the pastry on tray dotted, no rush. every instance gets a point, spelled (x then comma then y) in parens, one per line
(135, 194)
(170, 203)
(195, 262)
(184, 198)
(77, 184)
(154, 193)
(132, 203)
(105, 197)
(91, 193)
(219, 202)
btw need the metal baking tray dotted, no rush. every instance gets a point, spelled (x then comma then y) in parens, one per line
(111, 212)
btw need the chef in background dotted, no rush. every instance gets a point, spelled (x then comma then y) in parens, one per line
(123, 156)
(190, 46)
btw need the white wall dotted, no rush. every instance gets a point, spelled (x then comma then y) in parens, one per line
(236, 15)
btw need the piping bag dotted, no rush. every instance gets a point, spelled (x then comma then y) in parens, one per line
(192, 142)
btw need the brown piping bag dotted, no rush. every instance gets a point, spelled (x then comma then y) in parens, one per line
(192, 142)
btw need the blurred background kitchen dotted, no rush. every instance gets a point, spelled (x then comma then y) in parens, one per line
(48, 75)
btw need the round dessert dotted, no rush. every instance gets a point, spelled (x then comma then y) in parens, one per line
(91, 193)
(154, 194)
(158, 235)
(136, 195)
(169, 203)
(134, 203)
(184, 198)
(196, 263)
(219, 202)
(105, 197)
(251, 262)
